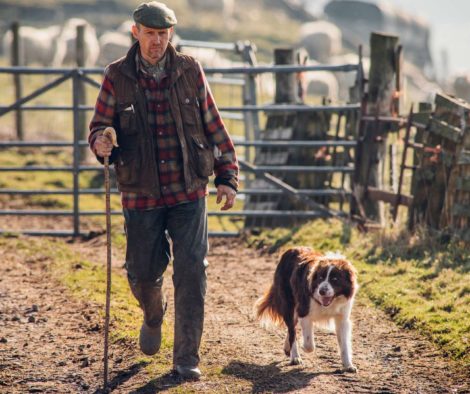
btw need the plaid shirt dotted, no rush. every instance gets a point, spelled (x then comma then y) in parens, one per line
(168, 150)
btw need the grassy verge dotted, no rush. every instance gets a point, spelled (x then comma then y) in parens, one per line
(421, 281)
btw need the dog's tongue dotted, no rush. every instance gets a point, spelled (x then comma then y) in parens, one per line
(325, 301)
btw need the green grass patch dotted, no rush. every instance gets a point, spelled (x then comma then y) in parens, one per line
(421, 281)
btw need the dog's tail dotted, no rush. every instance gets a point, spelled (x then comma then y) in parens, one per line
(265, 309)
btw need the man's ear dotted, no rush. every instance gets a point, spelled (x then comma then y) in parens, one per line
(135, 31)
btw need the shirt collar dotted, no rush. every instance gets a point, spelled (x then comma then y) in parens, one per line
(149, 69)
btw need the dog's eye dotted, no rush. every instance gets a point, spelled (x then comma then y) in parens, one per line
(334, 278)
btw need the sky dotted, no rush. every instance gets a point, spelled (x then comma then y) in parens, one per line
(450, 28)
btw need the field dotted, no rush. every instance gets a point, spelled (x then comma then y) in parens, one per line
(411, 319)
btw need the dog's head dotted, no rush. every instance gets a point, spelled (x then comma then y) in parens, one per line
(332, 276)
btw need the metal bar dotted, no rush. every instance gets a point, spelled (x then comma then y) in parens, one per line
(389, 119)
(99, 168)
(16, 212)
(296, 143)
(233, 116)
(293, 107)
(49, 108)
(33, 144)
(290, 190)
(245, 108)
(76, 154)
(47, 168)
(223, 46)
(61, 233)
(208, 70)
(281, 69)
(226, 81)
(414, 145)
(36, 93)
(306, 192)
(89, 80)
(237, 141)
(48, 70)
(304, 169)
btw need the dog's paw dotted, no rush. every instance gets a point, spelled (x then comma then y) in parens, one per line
(350, 368)
(308, 347)
(296, 361)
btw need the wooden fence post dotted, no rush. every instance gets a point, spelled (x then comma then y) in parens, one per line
(80, 60)
(286, 85)
(373, 136)
(15, 60)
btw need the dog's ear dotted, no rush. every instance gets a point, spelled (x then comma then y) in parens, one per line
(301, 288)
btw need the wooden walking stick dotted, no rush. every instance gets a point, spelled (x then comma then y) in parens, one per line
(111, 134)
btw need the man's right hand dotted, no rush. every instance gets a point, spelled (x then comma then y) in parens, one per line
(103, 146)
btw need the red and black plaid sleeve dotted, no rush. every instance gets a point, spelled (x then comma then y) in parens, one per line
(226, 165)
(104, 109)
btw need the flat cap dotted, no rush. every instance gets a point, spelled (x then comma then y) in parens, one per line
(155, 14)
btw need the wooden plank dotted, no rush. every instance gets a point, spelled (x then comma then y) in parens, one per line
(451, 103)
(464, 157)
(376, 194)
(421, 118)
(461, 210)
(463, 184)
(445, 130)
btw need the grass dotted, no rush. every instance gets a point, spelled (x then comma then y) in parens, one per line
(421, 281)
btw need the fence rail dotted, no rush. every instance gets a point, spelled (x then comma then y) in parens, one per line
(246, 113)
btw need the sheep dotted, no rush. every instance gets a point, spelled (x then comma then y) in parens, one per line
(67, 41)
(37, 46)
(321, 39)
(113, 45)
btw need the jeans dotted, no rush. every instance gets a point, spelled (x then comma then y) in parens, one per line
(147, 255)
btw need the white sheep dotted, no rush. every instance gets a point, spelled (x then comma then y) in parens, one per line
(113, 45)
(37, 46)
(321, 39)
(67, 41)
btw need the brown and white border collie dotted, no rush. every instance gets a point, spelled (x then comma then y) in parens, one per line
(313, 289)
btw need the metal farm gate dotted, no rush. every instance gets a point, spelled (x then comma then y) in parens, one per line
(339, 141)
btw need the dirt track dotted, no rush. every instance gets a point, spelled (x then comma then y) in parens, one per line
(50, 342)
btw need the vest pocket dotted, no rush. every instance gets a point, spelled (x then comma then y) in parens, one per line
(203, 156)
(127, 168)
(127, 119)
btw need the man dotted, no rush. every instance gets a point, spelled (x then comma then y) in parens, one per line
(171, 139)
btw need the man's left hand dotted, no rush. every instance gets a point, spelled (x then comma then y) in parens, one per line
(229, 193)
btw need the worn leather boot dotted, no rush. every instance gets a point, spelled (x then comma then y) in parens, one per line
(150, 339)
(189, 373)
(152, 301)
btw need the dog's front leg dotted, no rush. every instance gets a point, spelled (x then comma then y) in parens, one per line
(295, 358)
(343, 334)
(306, 325)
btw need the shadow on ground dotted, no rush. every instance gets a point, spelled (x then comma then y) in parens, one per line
(271, 377)
(123, 376)
(162, 383)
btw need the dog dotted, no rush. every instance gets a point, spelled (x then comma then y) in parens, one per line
(313, 289)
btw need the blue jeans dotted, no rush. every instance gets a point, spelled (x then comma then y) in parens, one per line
(147, 255)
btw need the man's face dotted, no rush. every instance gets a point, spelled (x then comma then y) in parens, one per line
(153, 42)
